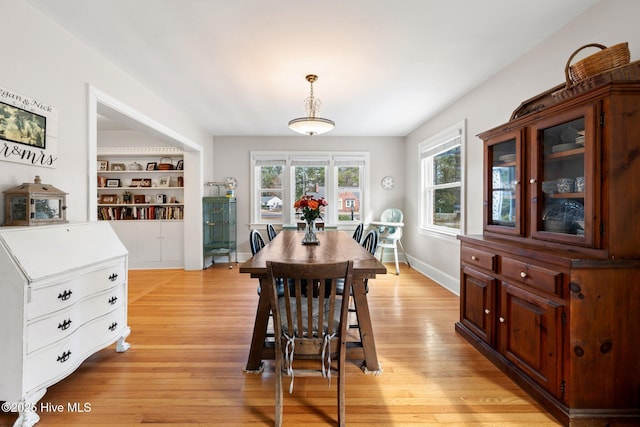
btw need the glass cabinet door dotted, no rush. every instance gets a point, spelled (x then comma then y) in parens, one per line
(504, 190)
(562, 181)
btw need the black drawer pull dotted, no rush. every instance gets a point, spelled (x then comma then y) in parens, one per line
(113, 326)
(64, 325)
(113, 300)
(65, 295)
(113, 277)
(64, 357)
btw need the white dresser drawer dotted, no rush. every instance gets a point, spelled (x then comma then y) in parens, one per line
(62, 358)
(48, 330)
(58, 295)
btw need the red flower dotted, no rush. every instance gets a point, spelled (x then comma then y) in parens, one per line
(310, 207)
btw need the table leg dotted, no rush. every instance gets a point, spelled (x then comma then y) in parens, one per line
(254, 364)
(366, 330)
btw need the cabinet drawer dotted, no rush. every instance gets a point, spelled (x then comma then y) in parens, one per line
(478, 258)
(63, 293)
(63, 323)
(55, 362)
(546, 280)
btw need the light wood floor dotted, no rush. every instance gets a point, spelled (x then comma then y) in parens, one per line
(190, 340)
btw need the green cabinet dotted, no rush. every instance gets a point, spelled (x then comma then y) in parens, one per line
(219, 227)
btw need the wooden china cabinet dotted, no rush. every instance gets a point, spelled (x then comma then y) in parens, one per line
(550, 292)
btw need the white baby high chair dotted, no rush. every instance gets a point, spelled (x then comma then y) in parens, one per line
(390, 232)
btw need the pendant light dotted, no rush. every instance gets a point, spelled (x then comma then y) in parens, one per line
(311, 125)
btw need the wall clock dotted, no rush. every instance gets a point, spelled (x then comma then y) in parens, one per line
(388, 182)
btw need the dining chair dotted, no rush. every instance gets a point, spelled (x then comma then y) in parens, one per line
(370, 241)
(271, 232)
(255, 241)
(357, 234)
(310, 325)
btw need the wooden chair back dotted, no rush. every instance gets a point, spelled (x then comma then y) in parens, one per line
(310, 322)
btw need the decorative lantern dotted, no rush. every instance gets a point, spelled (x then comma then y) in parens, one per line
(34, 204)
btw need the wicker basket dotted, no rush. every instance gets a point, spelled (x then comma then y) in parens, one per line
(629, 72)
(609, 57)
(166, 164)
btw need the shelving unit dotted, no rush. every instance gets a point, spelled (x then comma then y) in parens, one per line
(141, 192)
(549, 291)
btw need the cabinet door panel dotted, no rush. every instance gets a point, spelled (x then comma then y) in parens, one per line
(563, 188)
(477, 301)
(503, 190)
(172, 241)
(530, 328)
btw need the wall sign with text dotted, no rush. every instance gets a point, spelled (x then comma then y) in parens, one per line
(28, 130)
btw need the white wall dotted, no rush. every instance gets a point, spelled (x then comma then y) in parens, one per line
(42, 60)
(608, 22)
(231, 157)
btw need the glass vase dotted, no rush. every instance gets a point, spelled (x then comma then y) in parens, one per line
(310, 233)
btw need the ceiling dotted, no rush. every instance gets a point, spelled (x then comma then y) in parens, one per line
(384, 66)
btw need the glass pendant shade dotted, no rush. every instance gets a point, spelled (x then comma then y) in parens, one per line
(311, 125)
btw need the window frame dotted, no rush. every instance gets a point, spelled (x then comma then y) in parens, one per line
(290, 159)
(427, 151)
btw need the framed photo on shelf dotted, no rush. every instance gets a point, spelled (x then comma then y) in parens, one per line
(164, 181)
(107, 199)
(103, 165)
(145, 182)
(139, 199)
(118, 167)
(161, 198)
(135, 182)
(113, 182)
(151, 166)
(180, 165)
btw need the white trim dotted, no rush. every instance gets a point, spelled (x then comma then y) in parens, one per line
(128, 151)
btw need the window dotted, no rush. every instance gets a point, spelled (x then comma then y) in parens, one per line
(270, 191)
(280, 178)
(442, 190)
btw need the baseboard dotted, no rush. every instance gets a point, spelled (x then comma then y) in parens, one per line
(440, 277)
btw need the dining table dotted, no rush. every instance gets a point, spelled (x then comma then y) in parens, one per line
(333, 246)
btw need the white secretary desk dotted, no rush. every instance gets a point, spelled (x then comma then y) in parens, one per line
(64, 297)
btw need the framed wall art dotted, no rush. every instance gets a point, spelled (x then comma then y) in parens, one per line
(28, 130)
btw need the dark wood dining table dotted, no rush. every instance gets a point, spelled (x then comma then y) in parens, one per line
(335, 246)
